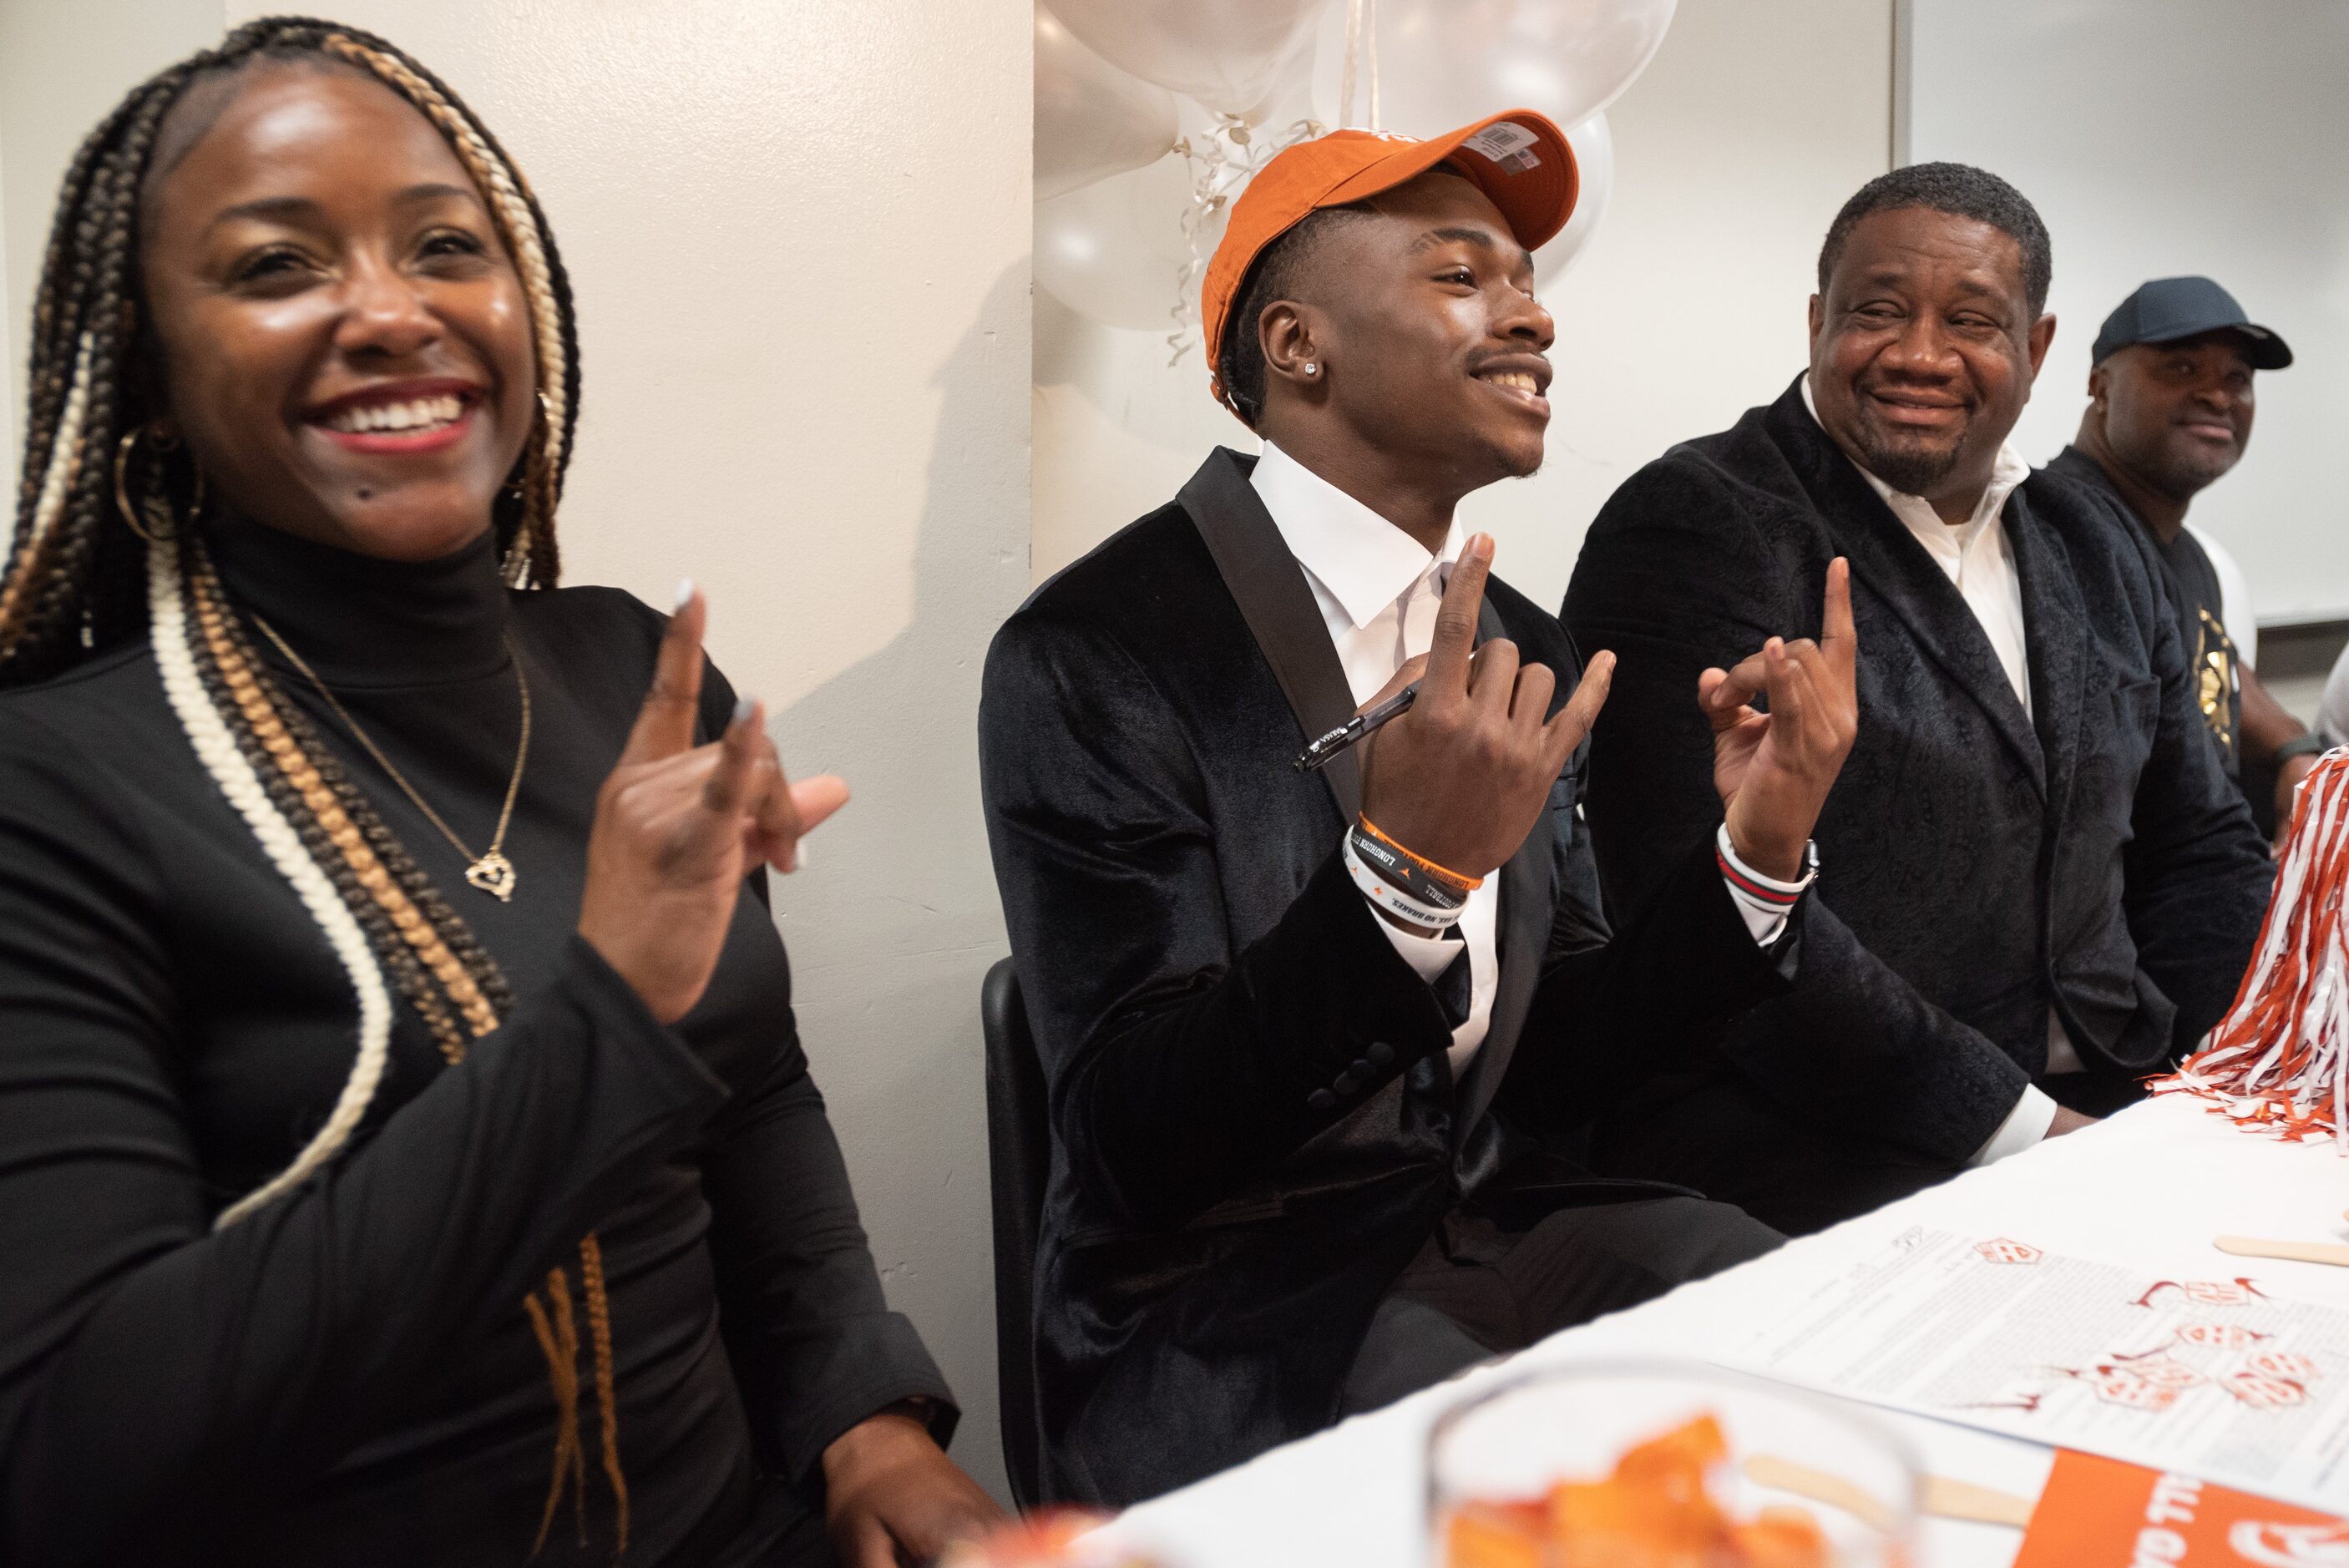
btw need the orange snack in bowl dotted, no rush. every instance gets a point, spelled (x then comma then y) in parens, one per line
(1781, 1537)
(1497, 1535)
(1654, 1511)
(1049, 1537)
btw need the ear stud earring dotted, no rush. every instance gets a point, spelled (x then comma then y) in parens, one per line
(1312, 370)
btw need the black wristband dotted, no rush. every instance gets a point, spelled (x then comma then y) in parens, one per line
(1409, 878)
(2307, 743)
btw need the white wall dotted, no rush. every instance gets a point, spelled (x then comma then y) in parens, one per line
(62, 66)
(2162, 137)
(1750, 127)
(798, 235)
(9, 360)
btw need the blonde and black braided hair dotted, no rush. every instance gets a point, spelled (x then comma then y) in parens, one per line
(80, 579)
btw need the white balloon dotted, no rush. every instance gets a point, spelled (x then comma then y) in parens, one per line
(1114, 249)
(1287, 98)
(1092, 121)
(1594, 161)
(1222, 52)
(1444, 64)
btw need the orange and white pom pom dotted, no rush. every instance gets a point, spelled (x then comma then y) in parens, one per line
(2278, 1062)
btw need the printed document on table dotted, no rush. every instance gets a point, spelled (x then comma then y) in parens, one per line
(2218, 1378)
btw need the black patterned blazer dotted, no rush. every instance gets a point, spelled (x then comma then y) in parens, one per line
(1977, 864)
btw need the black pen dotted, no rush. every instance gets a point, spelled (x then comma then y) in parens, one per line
(1350, 734)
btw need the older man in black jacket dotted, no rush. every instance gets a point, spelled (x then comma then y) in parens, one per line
(2043, 888)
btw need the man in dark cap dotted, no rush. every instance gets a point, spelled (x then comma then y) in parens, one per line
(2169, 411)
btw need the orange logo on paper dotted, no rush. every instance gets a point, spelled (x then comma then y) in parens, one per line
(2120, 1386)
(2169, 1373)
(2282, 1364)
(2219, 1335)
(2264, 1392)
(2005, 1252)
(2291, 1545)
(2101, 1511)
(2207, 1292)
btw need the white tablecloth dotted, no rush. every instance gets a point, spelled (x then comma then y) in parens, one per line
(2148, 1188)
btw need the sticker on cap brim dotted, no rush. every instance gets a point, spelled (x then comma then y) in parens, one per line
(1509, 144)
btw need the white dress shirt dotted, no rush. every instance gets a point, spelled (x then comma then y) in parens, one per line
(1378, 591)
(1979, 561)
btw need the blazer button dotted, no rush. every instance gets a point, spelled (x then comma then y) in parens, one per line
(1346, 1083)
(1380, 1052)
(1321, 1099)
(1362, 1069)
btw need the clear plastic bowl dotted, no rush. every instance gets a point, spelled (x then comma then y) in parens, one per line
(1514, 1441)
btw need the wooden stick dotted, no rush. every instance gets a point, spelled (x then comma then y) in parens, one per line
(1944, 1498)
(2332, 1253)
(1938, 1496)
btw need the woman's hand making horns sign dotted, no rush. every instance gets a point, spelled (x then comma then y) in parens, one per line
(678, 826)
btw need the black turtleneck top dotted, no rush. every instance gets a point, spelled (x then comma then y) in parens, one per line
(349, 1376)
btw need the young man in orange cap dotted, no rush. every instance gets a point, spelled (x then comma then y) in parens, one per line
(1319, 1043)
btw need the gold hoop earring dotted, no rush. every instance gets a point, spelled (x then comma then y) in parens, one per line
(122, 451)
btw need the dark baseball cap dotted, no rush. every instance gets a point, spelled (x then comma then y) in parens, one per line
(2168, 309)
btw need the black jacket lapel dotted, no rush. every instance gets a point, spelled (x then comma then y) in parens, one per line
(1528, 900)
(1887, 561)
(1278, 605)
(2056, 621)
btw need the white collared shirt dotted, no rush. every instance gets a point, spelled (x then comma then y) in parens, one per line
(1979, 561)
(1377, 590)
(1975, 555)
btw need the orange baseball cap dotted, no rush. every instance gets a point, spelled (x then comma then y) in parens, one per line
(1518, 158)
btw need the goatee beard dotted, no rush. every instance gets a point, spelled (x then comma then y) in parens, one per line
(1911, 472)
(2182, 477)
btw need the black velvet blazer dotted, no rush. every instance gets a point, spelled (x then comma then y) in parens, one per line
(1977, 864)
(1254, 1125)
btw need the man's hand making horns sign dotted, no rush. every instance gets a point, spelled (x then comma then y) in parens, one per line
(1463, 777)
(1774, 769)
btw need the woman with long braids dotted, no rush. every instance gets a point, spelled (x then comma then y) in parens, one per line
(406, 1155)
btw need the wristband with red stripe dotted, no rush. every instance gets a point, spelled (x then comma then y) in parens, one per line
(1752, 885)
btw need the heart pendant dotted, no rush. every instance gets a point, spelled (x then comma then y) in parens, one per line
(494, 875)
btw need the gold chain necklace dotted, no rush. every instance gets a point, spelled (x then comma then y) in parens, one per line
(490, 870)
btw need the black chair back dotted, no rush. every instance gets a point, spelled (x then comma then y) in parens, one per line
(1020, 1163)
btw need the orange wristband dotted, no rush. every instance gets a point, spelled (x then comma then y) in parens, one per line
(1442, 873)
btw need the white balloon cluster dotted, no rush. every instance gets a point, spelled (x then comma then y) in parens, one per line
(1128, 207)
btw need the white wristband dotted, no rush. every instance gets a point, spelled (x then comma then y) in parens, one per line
(1386, 896)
